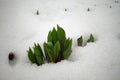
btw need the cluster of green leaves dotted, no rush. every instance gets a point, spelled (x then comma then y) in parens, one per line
(80, 40)
(57, 48)
(36, 56)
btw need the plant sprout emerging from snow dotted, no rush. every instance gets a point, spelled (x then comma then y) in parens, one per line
(80, 41)
(116, 1)
(37, 13)
(57, 48)
(66, 9)
(91, 38)
(88, 9)
(110, 6)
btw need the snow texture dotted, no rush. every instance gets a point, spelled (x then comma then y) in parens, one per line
(20, 27)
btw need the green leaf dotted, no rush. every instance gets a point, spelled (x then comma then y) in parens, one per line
(50, 45)
(61, 35)
(46, 52)
(91, 39)
(80, 41)
(49, 52)
(56, 50)
(38, 55)
(49, 38)
(40, 49)
(67, 49)
(66, 44)
(54, 36)
(31, 56)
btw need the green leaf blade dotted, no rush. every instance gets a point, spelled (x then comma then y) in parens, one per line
(80, 41)
(67, 49)
(38, 55)
(61, 35)
(56, 50)
(49, 52)
(91, 38)
(49, 38)
(54, 36)
(31, 56)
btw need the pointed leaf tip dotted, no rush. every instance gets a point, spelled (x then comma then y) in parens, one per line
(80, 41)
(91, 38)
(31, 55)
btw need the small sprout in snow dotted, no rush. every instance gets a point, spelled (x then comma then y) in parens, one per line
(80, 41)
(37, 13)
(91, 38)
(66, 9)
(110, 6)
(11, 56)
(116, 1)
(88, 9)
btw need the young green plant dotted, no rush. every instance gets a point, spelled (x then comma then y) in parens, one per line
(80, 41)
(58, 47)
(91, 38)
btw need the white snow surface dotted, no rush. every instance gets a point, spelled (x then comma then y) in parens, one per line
(20, 27)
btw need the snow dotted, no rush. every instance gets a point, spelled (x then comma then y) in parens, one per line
(20, 28)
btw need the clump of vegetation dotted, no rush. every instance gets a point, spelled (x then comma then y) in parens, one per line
(57, 48)
(80, 41)
(37, 13)
(91, 38)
